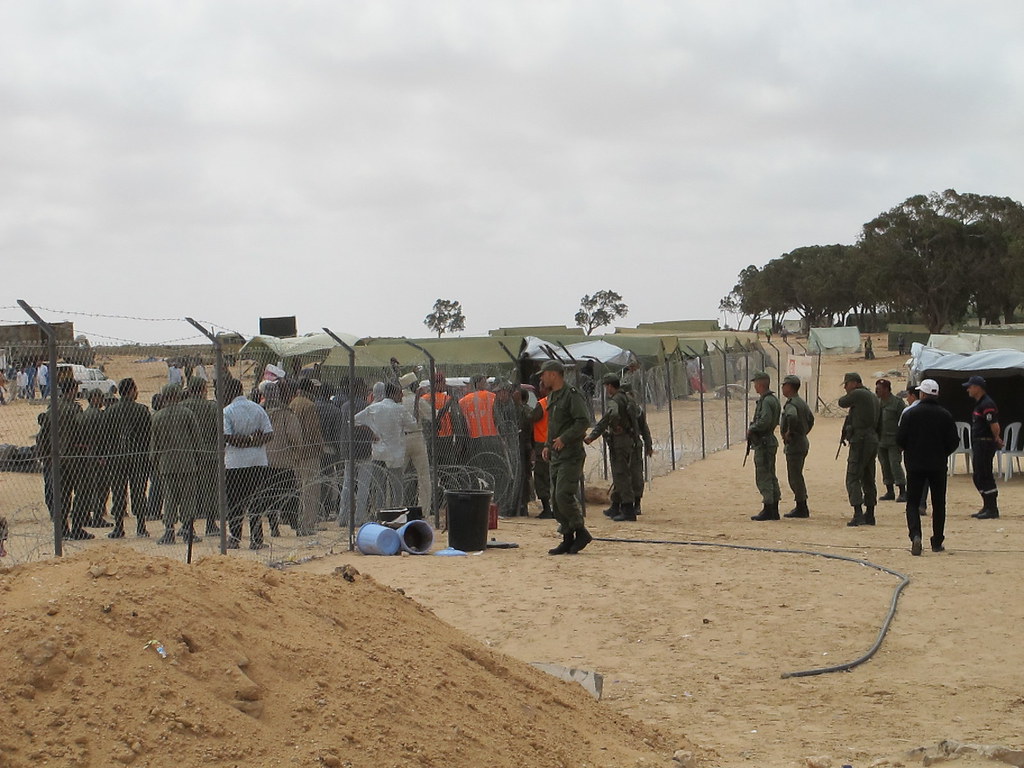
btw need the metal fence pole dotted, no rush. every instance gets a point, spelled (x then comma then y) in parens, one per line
(351, 469)
(435, 508)
(671, 421)
(56, 476)
(222, 498)
(703, 435)
(725, 375)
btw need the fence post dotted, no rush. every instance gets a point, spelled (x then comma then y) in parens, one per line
(222, 501)
(351, 468)
(671, 420)
(435, 508)
(725, 375)
(56, 479)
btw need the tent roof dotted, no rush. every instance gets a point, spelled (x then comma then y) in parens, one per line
(990, 363)
(271, 348)
(592, 349)
(834, 340)
(475, 350)
(538, 330)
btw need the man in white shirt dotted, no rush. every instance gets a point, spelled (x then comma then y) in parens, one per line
(389, 422)
(247, 430)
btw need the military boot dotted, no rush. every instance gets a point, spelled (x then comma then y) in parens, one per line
(613, 510)
(869, 516)
(858, 517)
(902, 497)
(626, 512)
(545, 512)
(565, 546)
(581, 540)
(167, 538)
(991, 509)
(889, 495)
(800, 510)
(768, 512)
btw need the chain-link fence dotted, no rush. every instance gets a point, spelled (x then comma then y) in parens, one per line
(193, 447)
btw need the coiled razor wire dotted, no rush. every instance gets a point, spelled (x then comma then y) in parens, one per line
(904, 581)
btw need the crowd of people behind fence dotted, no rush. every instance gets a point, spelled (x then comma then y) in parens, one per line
(298, 452)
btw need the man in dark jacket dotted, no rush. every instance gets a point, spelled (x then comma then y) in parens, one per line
(928, 435)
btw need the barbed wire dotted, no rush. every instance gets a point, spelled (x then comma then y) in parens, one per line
(78, 313)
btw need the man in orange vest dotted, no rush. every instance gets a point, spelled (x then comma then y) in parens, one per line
(445, 411)
(484, 447)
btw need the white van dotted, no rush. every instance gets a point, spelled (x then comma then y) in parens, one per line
(88, 379)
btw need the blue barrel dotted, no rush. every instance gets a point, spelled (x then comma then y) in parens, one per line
(467, 519)
(416, 537)
(377, 539)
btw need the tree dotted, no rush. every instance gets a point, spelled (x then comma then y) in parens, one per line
(603, 308)
(447, 317)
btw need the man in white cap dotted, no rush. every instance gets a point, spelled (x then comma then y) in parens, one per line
(927, 434)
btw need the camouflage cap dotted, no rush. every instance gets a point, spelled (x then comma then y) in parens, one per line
(852, 376)
(611, 378)
(759, 375)
(791, 379)
(552, 365)
(171, 391)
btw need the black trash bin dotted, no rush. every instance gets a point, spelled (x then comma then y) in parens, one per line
(467, 519)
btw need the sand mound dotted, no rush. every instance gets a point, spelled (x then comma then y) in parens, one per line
(112, 657)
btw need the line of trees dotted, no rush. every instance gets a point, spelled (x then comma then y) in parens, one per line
(933, 259)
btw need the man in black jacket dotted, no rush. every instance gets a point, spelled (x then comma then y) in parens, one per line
(927, 434)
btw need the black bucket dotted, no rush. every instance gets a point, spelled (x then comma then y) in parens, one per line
(467, 519)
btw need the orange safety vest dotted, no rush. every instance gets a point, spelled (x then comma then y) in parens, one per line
(478, 408)
(444, 424)
(540, 426)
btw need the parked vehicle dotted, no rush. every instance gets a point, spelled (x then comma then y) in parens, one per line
(88, 378)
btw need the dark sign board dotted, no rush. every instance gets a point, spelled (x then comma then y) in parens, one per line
(281, 327)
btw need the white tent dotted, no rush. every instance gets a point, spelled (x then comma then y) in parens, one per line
(987, 362)
(311, 346)
(834, 341)
(601, 351)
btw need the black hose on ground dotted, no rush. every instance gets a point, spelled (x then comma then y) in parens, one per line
(904, 581)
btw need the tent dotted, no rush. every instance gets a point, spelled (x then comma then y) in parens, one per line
(834, 341)
(1003, 370)
(313, 347)
(595, 349)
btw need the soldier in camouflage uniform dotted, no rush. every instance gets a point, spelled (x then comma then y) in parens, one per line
(130, 427)
(568, 420)
(761, 437)
(644, 450)
(207, 414)
(94, 429)
(619, 426)
(860, 431)
(890, 457)
(797, 421)
(70, 502)
(173, 442)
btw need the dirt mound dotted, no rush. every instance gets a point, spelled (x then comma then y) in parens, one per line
(112, 657)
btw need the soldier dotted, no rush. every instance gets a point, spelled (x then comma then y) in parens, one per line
(71, 456)
(797, 422)
(644, 448)
(541, 468)
(130, 430)
(173, 442)
(207, 415)
(761, 437)
(94, 430)
(568, 420)
(890, 457)
(859, 430)
(619, 426)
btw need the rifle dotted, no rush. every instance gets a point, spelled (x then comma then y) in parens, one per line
(745, 455)
(842, 442)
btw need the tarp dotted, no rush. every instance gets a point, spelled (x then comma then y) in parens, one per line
(1003, 370)
(480, 352)
(972, 342)
(598, 349)
(312, 346)
(834, 341)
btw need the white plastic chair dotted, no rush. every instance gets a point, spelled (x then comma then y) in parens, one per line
(964, 430)
(1010, 451)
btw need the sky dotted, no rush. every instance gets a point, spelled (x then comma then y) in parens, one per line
(351, 162)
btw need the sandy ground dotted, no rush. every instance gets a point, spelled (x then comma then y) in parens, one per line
(693, 637)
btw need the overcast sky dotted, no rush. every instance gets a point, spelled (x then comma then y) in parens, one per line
(350, 162)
